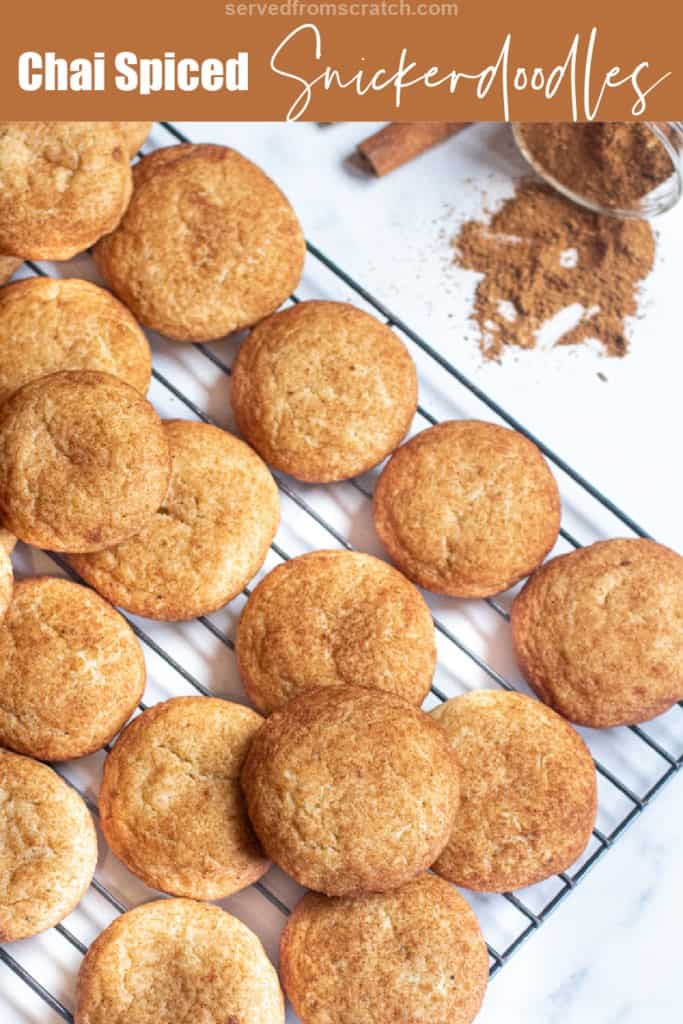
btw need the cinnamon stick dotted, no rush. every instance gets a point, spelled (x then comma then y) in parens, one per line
(396, 144)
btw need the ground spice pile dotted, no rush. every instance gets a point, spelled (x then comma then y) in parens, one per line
(541, 254)
(612, 163)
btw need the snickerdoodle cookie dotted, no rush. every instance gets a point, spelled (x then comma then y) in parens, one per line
(48, 848)
(178, 962)
(7, 540)
(49, 324)
(6, 573)
(208, 244)
(71, 670)
(363, 622)
(134, 134)
(8, 266)
(414, 954)
(467, 508)
(351, 790)
(598, 633)
(527, 792)
(63, 184)
(84, 461)
(171, 805)
(205, 542)
(323, 391)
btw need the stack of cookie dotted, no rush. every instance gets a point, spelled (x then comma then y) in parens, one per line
(337, 777)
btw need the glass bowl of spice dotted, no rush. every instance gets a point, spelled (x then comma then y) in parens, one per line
(629, 170)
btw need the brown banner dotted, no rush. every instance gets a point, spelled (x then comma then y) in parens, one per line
(467, 60)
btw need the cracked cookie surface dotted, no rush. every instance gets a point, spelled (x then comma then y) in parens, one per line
(527, 792)
(414, 954)
(170, 802)
(84, 461)
(598, 633)
(178, 962)
(364, 624)
(323, 391)
(48, 847)
(205, 542)
(351, 790)
(467, 508)
(63, 184)
(71, 670)
(208, 245)
(49, 324)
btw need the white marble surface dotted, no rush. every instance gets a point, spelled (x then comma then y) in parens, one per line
(611, 953)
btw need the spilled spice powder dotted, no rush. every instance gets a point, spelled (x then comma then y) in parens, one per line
(612, 163)
(541, 254)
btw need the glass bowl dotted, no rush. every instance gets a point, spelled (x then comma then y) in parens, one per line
(664, 197)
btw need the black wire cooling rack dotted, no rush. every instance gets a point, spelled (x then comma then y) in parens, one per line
(529, 913)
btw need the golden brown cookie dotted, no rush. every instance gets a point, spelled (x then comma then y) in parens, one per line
(7, 540)
(50, 324)
(207, 540)
(414, 954)
(363, 623)
(178, 962)
(527, 792)
(48, 848)
(170, 802)
(467, 508)
(134, 134)
(351, 790)
(598, 633)
(6, 576)
(71, 670)
(208, 244)
(8, 266)
(323, 391)
(84, 461)
(63, 184)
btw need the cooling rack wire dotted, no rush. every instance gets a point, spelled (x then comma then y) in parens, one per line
(653, 755)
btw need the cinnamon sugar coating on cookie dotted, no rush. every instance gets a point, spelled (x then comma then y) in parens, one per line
(208, 245)
(134, 134)
(7, 541)
(364, 624)
(323, 391)
(467, 508)
(6, 573)
(413, 954)
(206, 541)
(351, 790)
(49, 324)
(8, 266)
(84, 461)
(171, 805)
(527, 792)
(71, 670)
(63, 184)
(178, 962)
(598, 633)
(48, 848)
